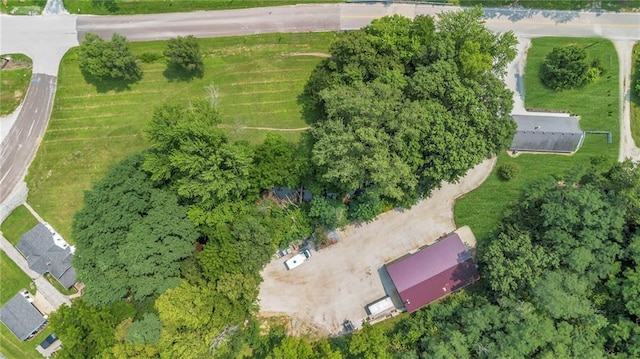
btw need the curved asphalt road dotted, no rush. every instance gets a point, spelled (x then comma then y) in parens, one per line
(45, 39)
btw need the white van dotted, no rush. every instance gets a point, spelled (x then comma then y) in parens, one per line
(297, 260)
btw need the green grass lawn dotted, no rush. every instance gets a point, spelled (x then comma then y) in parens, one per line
(258, 82)
(15, 78)
(596, 103)
(635, 99)
(22, 7)
(13, 279)
(12, 348)
(18, 223)
(121, 7)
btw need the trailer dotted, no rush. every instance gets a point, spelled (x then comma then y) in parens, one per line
(380, 306)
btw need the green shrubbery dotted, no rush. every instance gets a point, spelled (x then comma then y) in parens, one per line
(508, 171)
(568, 67)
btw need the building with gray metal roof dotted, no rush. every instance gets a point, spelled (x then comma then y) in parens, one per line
(21, 317)
(547, 133)
(47, 252)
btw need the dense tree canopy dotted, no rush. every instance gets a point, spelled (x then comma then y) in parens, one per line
(130, 236)
(405, 104)
(199, 163)
(106, 60)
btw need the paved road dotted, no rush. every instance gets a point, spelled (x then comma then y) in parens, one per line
(304, 18)
(19, 147)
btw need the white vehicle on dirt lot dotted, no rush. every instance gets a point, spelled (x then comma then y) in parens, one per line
(297, 260)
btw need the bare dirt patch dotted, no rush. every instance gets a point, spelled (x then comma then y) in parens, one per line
(339, 281)
(314, 54)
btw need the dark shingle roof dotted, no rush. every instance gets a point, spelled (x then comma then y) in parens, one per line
(43, 255)
(21, 317)
(537, 133)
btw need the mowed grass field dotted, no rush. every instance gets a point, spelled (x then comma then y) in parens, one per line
(596, 103)
(258, 79)
(121, 7)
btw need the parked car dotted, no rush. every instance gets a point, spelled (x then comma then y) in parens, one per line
(297, 260)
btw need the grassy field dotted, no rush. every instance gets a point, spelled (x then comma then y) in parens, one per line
(18, 223)
(635, 99)
(13, 279)
(12, 348)
(15, 77)
(258, 80)
(596, 103)
(121, 7)
(22, 7)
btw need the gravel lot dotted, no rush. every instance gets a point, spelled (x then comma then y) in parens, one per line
(339, 281)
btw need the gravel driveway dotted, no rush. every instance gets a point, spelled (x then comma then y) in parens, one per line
(339, 281)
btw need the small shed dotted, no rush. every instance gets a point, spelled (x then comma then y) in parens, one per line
(554, 133)
(433, 272)
(21, 317)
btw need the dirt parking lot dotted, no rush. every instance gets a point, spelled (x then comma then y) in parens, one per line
(339, 281)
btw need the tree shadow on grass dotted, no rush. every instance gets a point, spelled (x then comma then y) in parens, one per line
(175, 73)
(106, 85)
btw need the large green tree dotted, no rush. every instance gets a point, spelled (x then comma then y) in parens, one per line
(406, 104)
(184, 53)
(108, 60)
(130, 236)
(88, 331)
(565, 67)
(197, 161)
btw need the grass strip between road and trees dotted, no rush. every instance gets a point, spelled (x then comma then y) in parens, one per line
(258, 79)
(18, 223)
(126, 7)
(635, 95)
(15, 76)
(596, 103)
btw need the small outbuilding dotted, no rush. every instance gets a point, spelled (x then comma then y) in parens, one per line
(21, 317)
(554, 133)
(47, 252)
(433, 272)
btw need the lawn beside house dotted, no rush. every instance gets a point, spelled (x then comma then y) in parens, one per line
(12, 348)
(19, 222)
(596, 103)
(13, 279)
(258, 79)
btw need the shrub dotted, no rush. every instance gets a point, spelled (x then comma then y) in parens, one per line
(508, 171)
(565, 67)
(150, 57)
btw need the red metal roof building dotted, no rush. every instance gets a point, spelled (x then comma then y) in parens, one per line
(433, 272)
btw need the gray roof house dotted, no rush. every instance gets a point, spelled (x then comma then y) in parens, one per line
(47, 252)
(21, 317)
(559, 133)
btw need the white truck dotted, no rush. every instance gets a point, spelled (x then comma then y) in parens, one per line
(297, 260)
